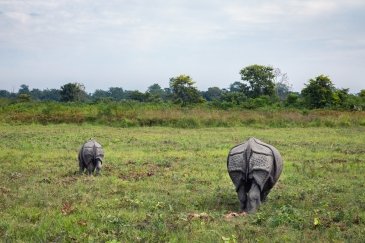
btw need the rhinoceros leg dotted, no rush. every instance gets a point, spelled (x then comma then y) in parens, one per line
(81, 163)
(253, 198)
(81, 168)
(90, 169)
(242, 196)
(241, 188)
(98, 167)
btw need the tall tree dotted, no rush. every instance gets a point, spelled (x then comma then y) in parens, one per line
(183, 90)
(155, 93)
(213, 93)
(233, 97)
(362, 93)
(100, 94)
(73, 92)
(260, 80)
(116, 93)
(24, 89)
(155, 89)
(5, 94)
(235, 86)
(282, 85)
(52, 94)
(36, 94)
(135, 95)
(24, 93)
(318, 92)
(239, 87)
(339, 97)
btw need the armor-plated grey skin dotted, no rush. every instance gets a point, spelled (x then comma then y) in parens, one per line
(254, 168)
(91, 157)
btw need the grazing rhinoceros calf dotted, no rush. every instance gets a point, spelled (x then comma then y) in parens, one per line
(254, 168)
(91, 157)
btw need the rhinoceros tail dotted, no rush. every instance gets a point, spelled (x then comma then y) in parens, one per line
(248, 155)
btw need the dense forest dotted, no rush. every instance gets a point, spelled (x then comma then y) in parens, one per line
(260, 86)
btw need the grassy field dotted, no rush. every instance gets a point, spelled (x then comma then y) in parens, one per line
(163, 184)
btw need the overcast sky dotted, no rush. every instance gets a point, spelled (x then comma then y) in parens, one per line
(133, 44)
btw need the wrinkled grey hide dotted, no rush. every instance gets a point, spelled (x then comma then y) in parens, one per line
(254, 168)
(91, 157)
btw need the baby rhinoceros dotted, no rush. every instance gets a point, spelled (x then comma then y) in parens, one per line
(91, 157)
(254, 168)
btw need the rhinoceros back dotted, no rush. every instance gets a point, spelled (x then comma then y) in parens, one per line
(236, 158)
(254, 160)
(90, 152)
(277, 163)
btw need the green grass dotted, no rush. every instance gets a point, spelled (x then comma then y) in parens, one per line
(134, 114)
(154, 178)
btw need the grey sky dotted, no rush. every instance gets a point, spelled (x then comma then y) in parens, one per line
(133, 44)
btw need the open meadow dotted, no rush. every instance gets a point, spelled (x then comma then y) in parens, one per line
(163, 184)
(155, 95)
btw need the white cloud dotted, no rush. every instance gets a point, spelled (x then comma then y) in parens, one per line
(271, 12)
(18, 17)
(146, 22)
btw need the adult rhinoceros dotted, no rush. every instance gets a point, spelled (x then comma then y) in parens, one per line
(91, 157)
(254, 168)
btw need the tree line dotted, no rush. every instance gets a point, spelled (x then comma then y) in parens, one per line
(260, 86)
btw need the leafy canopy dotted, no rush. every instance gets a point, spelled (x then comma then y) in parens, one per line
(260, 80)
(318, 92)
(72, 92)
(183, 90)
